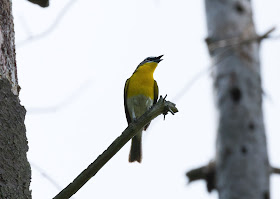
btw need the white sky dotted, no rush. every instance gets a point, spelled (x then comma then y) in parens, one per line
(84, 62)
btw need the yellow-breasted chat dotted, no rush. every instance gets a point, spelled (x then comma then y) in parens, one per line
(140, 93)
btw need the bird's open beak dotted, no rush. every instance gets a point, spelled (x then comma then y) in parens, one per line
(158, 59)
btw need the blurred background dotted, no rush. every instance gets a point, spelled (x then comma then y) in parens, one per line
(73, 59)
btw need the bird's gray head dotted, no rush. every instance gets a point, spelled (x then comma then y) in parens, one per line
(150, 59)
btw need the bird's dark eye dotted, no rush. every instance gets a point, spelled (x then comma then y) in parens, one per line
(149, 59)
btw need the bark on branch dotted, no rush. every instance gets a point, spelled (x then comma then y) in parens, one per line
(161, 107)
(42, 3)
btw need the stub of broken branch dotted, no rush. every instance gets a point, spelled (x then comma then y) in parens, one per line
(161, 107)
(42, 3)
(274, 170)
(207, 173)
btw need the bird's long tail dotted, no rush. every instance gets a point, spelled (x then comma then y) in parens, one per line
(135, 153)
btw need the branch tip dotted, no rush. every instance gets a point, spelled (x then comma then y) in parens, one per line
(267, 33)
(275, 170)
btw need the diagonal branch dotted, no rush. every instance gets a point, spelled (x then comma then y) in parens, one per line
(161, 107)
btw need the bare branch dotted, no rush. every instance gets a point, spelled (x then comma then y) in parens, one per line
(213, 45)
(160, 107)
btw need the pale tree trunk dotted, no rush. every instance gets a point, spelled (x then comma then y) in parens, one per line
(15, 173)
(242, 167)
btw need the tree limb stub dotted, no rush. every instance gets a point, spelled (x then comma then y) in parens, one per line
(275, 170)
(213, 45)
(42, 3)
(161, 107)
(207, 173)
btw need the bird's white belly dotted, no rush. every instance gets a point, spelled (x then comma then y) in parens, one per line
(138, 105)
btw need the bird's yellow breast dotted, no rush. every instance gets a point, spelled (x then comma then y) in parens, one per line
(141, 83)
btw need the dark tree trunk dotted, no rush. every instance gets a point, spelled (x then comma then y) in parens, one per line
(15, 173)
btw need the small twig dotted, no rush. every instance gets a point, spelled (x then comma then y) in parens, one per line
(266, 35)
(168, 109)
(207, 173)
(160, 107)
(213, 45)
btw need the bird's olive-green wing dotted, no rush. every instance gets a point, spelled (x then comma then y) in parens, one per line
(155, 91)
(125, 102)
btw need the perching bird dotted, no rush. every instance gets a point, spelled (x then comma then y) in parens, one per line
(140, 93)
